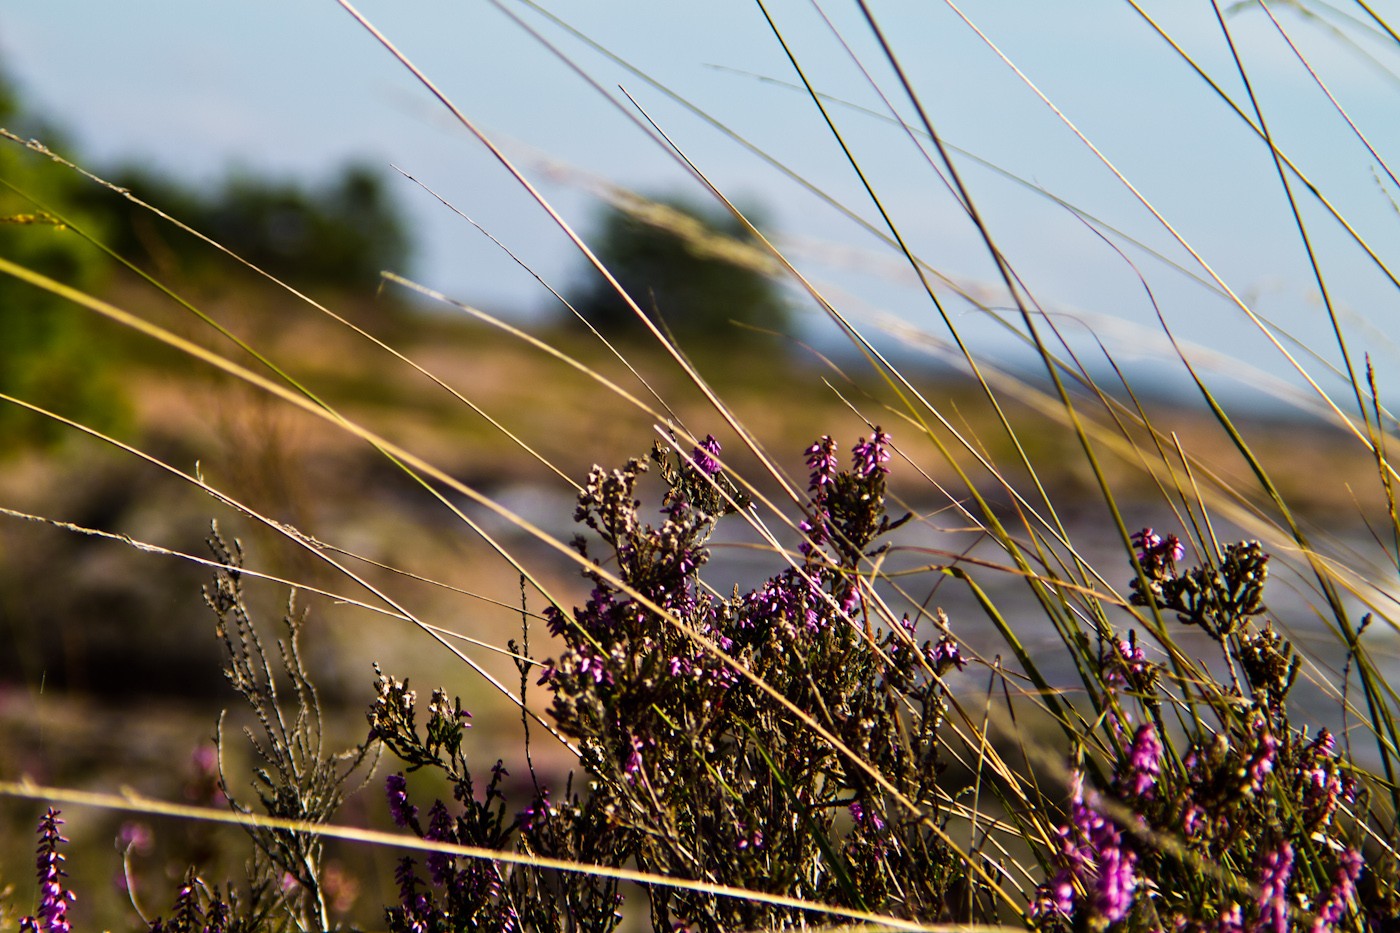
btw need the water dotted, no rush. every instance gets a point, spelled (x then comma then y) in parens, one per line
(740, 557)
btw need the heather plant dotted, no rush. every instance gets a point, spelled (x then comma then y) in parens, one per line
(295, 776)
(1215, 837)
(54, 896)
(1120, 736)
(693, 771)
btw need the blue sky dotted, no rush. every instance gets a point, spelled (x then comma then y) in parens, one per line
(299, 87)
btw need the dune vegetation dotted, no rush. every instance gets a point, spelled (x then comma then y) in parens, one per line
(707, 600)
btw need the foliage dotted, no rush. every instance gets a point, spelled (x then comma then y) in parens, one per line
(793, 755)
(1255, 824)
(690, 268)
(51, 353)
(295, 778)
(695, 772)
(341, 233)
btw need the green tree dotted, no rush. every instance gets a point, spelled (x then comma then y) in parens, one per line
(694, 270)
(342, 233)
(50, 350)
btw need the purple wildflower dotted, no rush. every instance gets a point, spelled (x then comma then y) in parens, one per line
(594, 667)
(415, 904)
(396, 788)
(1054, 898)
(1274, 871)
(1144, 763)
(52, 916)
(1192, 820)
(1154, 551)
(821, 460)
(1261, 762)
(534, 816)
(816, 532)
(440, 829)
(747, 838)
(852, 600)
(1096, 859)
(1146, 541)
(1323, 784)
(1343, 893)
(944, 655)
(866, 818)
(869, 457)
(635, 763)
(1127, 666)
(1117, 882)
(704, 456)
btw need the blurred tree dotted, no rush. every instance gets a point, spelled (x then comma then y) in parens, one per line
(693, 269)
(342, 233)
(50, 350)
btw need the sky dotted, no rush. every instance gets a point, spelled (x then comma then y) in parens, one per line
(300, 87)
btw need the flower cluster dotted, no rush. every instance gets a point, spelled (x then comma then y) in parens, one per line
(54, 897)
(198, 908)
(1098, 878)
(1246, 799)
(1217, 598)
(459, 893)
(694, 769)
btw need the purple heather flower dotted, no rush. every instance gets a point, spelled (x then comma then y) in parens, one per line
(1054, 898)
(1343, 893)
(1144, 763)
(867, 818)
(1155, 552)
(1274, 871)
(1134, 664)
(1261, 762)
(704, 456)
(396, 788)
(1192, 820)
(869, 457)
(1231, 921)
(1106, 868)
(815, 532)
(54, 898)
(945, 654)
(415, 903)
(1146, 541)
(594, 667)
(52, 916)
(440, 829)
(533, 816)
(1117, 882)
(633, 766)
(1095, 857)
(1324, 783)
(747, 839)
(1132, 654)
(821, 460)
